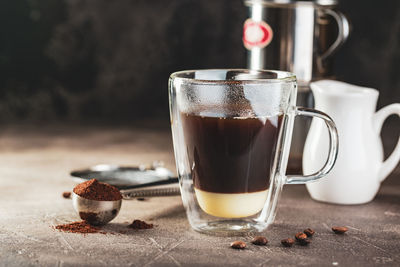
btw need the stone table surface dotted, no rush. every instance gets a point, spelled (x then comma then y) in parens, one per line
(35, 162)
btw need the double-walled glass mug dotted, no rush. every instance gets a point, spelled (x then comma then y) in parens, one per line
(231, 132)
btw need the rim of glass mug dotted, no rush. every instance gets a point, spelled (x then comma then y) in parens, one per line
(277, 76)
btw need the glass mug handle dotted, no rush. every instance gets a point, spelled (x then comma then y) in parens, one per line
(333, 147)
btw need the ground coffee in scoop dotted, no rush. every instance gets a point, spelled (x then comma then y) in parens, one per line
(96, 190)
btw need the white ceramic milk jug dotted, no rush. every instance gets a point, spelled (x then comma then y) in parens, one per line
(360, 166)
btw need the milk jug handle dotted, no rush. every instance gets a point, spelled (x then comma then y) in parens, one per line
(343, 32)
(333, 147)
(378, 118)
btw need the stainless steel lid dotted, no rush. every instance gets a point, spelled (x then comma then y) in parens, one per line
(292, 2)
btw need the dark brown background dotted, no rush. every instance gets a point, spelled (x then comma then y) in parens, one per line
(109, 61)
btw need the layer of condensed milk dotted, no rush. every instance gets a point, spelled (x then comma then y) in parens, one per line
(234, 205)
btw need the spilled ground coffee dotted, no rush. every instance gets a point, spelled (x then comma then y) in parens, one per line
(81, 227)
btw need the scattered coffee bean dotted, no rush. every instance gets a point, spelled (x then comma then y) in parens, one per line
(288, 242)
(259, 241)
(309, 232)
(141, 199)
(238, 245)
(66, 194)
(304, 242)
(339, 229)
(300, 236)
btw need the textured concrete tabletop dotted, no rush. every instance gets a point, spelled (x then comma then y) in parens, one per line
(34, 172)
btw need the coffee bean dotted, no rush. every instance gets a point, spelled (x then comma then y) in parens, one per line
(288, 242)
(339, 229)
(300, 236)
(259, 241)
(238, 245)
(66, 194)
(309, 232)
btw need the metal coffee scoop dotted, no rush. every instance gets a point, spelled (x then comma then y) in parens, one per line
(130, 181)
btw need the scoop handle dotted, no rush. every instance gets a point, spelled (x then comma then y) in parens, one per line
(171, 180)
(158, 192)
